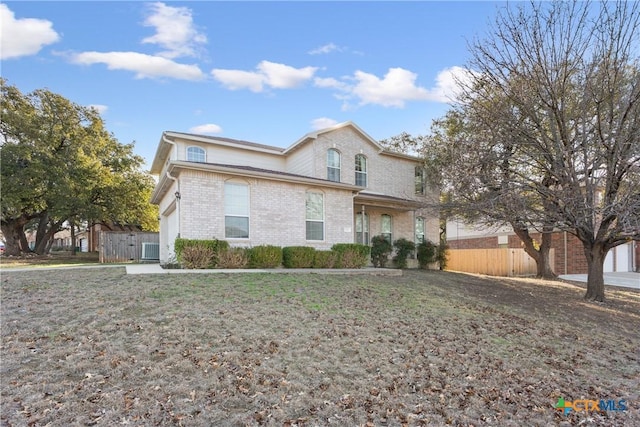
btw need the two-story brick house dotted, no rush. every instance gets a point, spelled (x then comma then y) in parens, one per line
(336, 185)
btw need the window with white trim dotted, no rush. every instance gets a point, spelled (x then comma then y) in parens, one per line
(419, 230)
(333, 165)
(361, 170)
(196, 154)
(314, 208)
(386, 227)
(421, 185)
(362, 228)
(236, 210)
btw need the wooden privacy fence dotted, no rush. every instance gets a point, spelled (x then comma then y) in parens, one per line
(493, 262)
(128, 246)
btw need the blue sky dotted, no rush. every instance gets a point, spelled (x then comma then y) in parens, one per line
(266, 72)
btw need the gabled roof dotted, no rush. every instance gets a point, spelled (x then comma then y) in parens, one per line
(225, 141)
(314, 135)
(164, 147)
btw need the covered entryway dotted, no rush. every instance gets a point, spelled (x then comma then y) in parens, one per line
(395, 218)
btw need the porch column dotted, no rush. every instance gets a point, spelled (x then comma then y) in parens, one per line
(362, 221)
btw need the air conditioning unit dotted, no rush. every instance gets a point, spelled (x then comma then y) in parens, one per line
(150, 251)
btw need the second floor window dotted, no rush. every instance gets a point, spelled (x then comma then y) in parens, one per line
(333, 165)
(421, 186)
(361, 170)
(196, 154)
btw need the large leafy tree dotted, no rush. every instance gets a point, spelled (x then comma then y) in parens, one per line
(555, 89)
(61, 166)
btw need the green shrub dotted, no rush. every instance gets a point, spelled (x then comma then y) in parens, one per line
(265, 256)
(197, 257)
(380, 250)
(427, 251)
(213, 244)
(232, 258)
(403, 249)
(351, 255)
(298, 256)
(324, 259)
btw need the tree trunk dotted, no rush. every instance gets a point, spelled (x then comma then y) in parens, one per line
(13, 232)
(540, 255)
(73, 238)
(595, 254)
(41, 234)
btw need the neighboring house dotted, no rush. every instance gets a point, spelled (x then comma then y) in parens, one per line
(569, 257)
(336, 185)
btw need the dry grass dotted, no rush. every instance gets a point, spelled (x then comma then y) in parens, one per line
(98, 347)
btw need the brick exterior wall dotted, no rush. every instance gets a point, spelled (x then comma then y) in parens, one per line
(277, 211)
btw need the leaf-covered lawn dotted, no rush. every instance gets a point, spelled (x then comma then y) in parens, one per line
(98, 347)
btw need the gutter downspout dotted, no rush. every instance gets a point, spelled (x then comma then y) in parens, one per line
(174, 179)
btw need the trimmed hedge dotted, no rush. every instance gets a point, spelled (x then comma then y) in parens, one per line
(324, 259)
(265, 256)
(213, 245)
(298, 256)
(351, 255)
(232, 258)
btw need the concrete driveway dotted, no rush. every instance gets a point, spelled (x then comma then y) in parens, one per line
(623, 279)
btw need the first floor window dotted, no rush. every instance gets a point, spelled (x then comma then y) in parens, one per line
(419, 230)
(362, 228)
(236, 210)
(315, 216)
(386, 227)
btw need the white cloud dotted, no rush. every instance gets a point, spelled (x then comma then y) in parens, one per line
(271, 74)
(330, 82)
(206, 129)
(327, 48)
(145, 66)
(322, 123)
(238, 79)
(23, 37)
(101, 109)
(282, 76)
(175, 30)
(448, 83)
(395, 89)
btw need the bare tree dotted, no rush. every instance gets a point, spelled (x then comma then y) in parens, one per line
(556, 88)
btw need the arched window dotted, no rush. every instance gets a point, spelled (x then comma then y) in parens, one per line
(386, 228)
(361, 170)
(314, 208)
(236, 210)
(196, 154)
(362, 229)
(333, 165)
